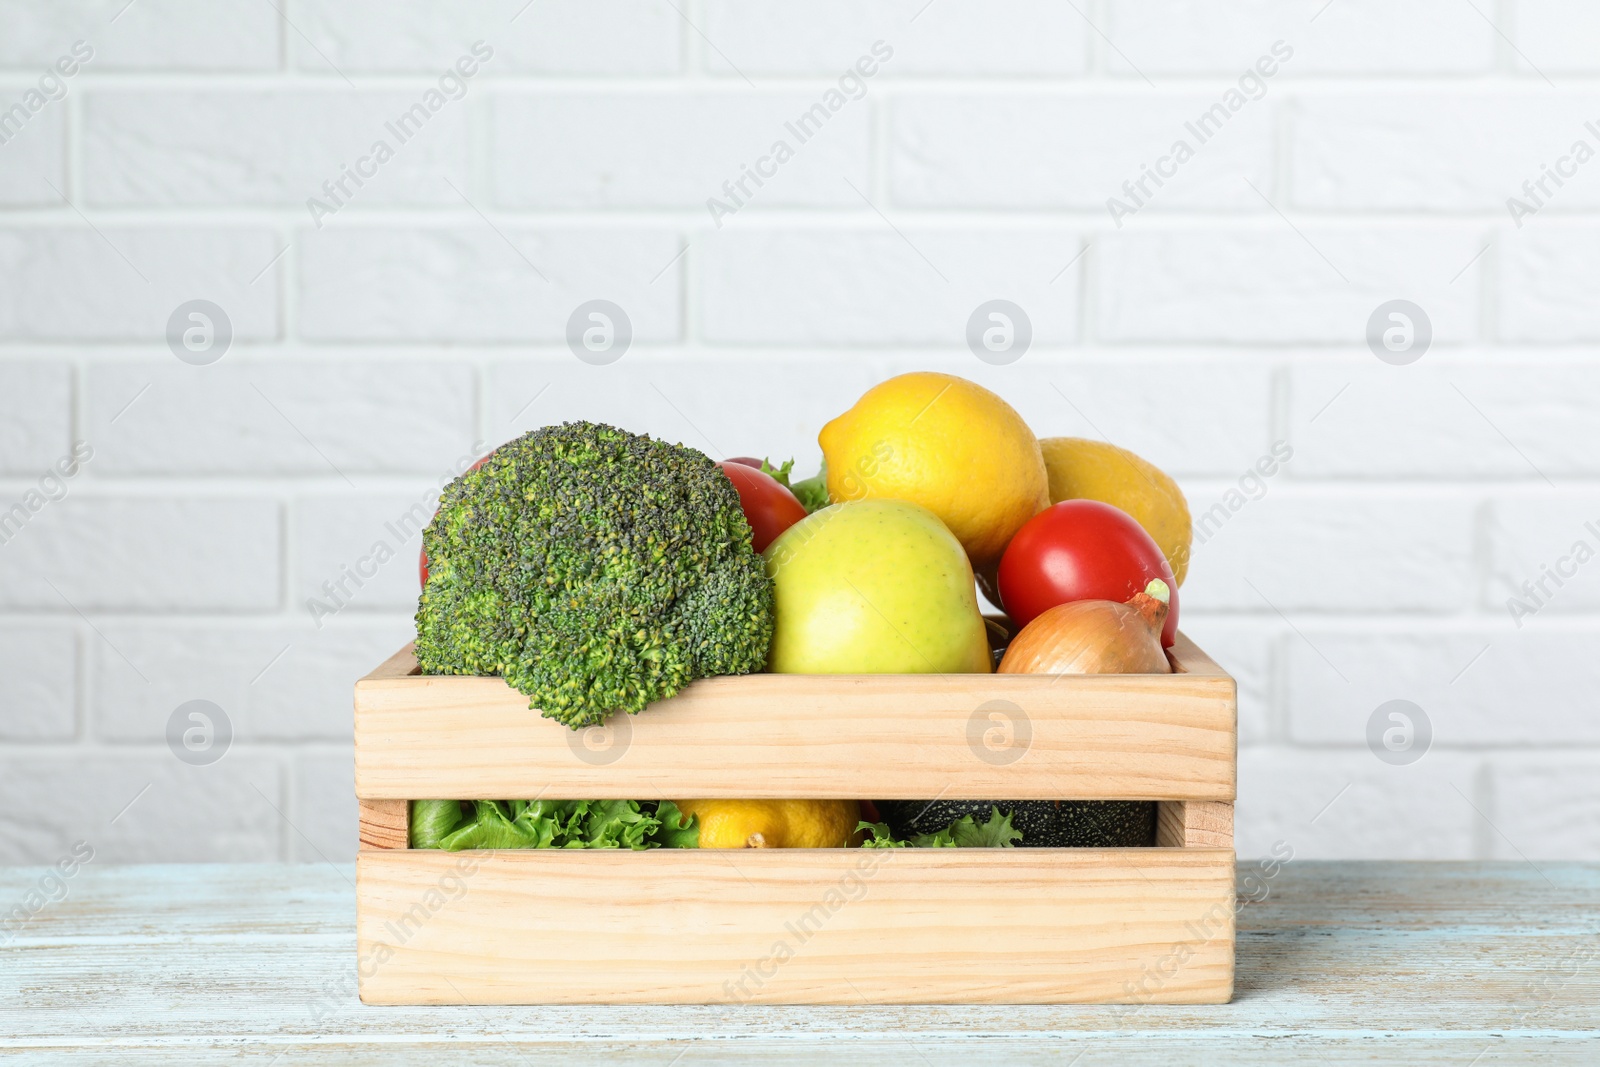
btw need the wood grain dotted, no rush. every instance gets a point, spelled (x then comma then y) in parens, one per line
(384, 823)
(1194, 824)
(1076, 737)
(798, 926)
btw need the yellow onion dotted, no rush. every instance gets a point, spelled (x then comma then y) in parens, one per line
(1095, 637)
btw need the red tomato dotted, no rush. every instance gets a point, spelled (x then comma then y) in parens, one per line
(422, 553)
(1081, 550)
(745, 461)
(769, 508)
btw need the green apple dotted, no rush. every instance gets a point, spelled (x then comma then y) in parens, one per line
(874, 587)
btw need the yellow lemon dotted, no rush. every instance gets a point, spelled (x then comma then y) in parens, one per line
(774, 823)
(1081, 469)
(945, 443)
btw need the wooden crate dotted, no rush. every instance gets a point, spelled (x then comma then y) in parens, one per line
(805, 926)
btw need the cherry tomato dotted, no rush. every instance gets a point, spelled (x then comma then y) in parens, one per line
(769, 508)
(1081, 550)
(422, 553)
(745, 461)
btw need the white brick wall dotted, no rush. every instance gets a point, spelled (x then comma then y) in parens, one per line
(372, 346)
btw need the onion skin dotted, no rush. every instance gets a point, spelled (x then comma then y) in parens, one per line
(1092, 637)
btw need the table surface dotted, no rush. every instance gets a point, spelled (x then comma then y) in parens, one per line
(1463, 963)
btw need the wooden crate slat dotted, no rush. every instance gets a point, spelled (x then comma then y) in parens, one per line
(1014, 737)
(1194, 824)
(789, 926)
(384, 823)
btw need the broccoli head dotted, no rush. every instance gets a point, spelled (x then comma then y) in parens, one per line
(595, 570)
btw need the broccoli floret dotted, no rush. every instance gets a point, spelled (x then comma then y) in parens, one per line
(595, 570)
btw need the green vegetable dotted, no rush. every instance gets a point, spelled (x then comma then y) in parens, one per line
(595, 570)
(965, 832)
(812, 492)
(455, 825)
(677, 829)
(777, 474)
(432, 821)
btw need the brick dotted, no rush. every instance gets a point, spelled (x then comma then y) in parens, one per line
(38, 682)
(1483, 686)
(1547, 282)
(1332, 551)
(1016, 37)
(300, 140)
(986, 151)
(206, 35)
(1334, 805)
(1546, 807)
(1463, 151)
(142, 554)
(72, 283)
(1541, 550)
(1348, 37)
(1360, 418)
(324, 808)
(331, 418)
(704, 404)
(35, 152)
(1555, 36)
(35, 414)
(1220, 429)
(1266, 283)
(1246, 649)
(222, 813)
(875, 286)
(546, 37)
(361, 551)
(467, 284)
(278, 682)
(677, 150)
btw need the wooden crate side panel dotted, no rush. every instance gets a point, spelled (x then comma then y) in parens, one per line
(384, 823)
(1194, 824)
(790, 926)
(1187, 657)
(1123, 737)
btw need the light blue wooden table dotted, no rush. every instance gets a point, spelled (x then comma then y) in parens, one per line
(1340, 963)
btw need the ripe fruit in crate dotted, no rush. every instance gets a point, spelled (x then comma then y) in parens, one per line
(874, 587)
(1081, 469)
(768, 505)
(945, 443)
(1082, 550)
(774, 823)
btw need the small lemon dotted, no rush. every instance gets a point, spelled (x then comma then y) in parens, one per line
(945, 443)
(1081, 469)
(774, 823)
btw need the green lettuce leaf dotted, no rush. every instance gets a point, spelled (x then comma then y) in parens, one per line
(614, 824)
(677, 829)
(433, 820)
(778, 474)
(456, 825)
(965, 832)
(812, 492)
(998, 832)
(490, 827)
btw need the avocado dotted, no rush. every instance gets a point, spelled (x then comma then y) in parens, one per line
(1044, 823)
